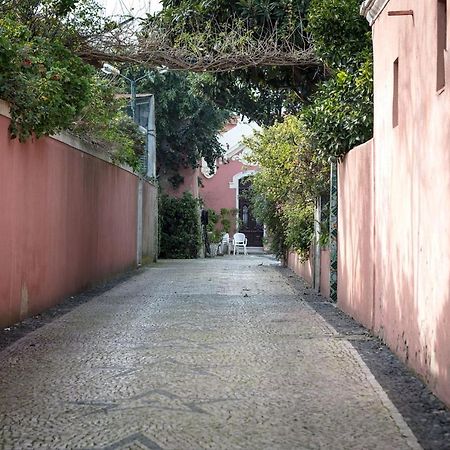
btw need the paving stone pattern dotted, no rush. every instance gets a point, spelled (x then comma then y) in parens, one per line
(201, 354)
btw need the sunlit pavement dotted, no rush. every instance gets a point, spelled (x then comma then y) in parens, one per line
(219, 353)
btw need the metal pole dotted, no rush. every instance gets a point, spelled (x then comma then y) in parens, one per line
(151, 139)
(333, 230)
(133, 99)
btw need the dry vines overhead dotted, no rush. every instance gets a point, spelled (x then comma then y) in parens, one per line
(210, 51)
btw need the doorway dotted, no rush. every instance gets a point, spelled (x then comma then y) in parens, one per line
(248, 225)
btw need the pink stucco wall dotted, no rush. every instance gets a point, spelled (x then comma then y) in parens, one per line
(216, 191)
(189, 184)
(305, 269)
(410, 260)
(355, 234)
(68, 219)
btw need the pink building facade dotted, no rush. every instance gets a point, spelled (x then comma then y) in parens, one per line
(221, 189)
(394, 192)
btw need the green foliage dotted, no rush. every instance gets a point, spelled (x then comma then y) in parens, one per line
(187, 17)
(270, 213)
(290, 179)
(340, 115)
(46, 85)
(50, 89)
(215, 236)
(261, 94)
(227, 216)
(341, 36)
(299, 231)
(179, 227)
(187, 122)
(104, 123)
(213, 218)
(288, 163)
(220, 223)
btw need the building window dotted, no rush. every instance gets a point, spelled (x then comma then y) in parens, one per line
(395, 96)
(441, 18)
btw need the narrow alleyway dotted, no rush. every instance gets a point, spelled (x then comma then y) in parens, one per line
(219, 353)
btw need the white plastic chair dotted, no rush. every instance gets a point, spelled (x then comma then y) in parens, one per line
(239, 241)
(225, 242)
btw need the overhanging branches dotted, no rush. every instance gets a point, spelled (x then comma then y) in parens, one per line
(212, 49)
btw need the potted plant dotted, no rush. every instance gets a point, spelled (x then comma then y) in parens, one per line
(215, 237)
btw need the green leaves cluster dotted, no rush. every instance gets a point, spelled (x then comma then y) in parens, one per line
(187, 17)
(49, 88)
(285, 189)
(46, 85)
(341, 37)
(261, 94)
(188, 122)
(340, 115)
(180, 235)
(104, 123)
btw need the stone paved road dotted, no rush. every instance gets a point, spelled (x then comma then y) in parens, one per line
(219, 354)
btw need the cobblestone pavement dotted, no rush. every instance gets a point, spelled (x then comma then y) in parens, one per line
(201, 354)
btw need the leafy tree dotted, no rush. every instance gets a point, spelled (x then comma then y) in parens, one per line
(285, 189)
(341, 37)
(179, 227)
(187, 123)
(262, 94)
(340, 115)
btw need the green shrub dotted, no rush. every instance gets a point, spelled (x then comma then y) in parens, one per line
(179, 227)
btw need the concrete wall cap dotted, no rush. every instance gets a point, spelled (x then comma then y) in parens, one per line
(371, 9)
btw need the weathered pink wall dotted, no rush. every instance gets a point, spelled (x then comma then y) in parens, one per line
(355, 234)
(189, 184)
(411, 172)
(216, 192)
(67, 220)
(304, 269)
